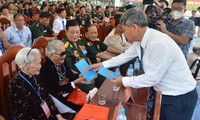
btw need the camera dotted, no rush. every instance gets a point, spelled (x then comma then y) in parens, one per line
(153, 16)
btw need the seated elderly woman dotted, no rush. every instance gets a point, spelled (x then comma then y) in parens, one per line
(58, 78)
(27, 98)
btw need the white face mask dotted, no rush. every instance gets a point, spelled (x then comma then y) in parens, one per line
(176, 15)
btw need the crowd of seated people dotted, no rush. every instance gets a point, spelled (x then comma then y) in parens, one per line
(48, 19)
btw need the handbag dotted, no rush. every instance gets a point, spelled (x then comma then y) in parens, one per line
(77, 97)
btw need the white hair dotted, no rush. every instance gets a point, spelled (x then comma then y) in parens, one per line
(53, 46)
(26, 55)
(134, 16)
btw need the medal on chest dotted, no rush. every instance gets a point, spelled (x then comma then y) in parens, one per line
(77, 55)
(62, 75)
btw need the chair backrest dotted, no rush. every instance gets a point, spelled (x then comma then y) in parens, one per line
(157, 107)
(35, 10)
(62, 35)
(82, 35)
(100, 32)
(5, 23)
(41, 43)
(7, 69)
(36, 17)
(52, 18)
(28, 21)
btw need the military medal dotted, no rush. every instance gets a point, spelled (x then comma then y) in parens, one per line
(62, 79)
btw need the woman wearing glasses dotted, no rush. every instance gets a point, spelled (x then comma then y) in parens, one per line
(58, 78)
(27, 97)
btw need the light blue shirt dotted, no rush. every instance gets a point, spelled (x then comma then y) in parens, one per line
(16, 37)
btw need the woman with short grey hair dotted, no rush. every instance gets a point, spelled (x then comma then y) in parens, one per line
(52, 47)
(59, 80)
(27, 98)
(26, 55)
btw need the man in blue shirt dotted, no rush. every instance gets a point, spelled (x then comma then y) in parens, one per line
(181, 30)
(18, 33)
(2, 49)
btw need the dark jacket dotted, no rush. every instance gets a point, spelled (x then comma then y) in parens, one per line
(50, 78)
(25, 104)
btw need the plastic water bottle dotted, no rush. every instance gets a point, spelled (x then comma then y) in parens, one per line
(115, 87)
(117, 71)
(121, 115)
(130, 70)
(137, 67)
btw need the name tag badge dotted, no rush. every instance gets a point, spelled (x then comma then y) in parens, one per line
(83, 22)
(84, 51)
(63, 82)
(45, 108)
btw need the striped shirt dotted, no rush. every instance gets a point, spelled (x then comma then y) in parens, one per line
(184, 27)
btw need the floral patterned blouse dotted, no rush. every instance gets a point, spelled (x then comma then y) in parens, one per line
(25, 103)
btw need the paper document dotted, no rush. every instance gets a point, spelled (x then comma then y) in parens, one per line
(108, 73)
(83, 67)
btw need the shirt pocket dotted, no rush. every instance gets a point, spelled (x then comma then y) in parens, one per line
(16, 38)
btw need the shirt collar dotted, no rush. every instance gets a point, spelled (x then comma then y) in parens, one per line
(15, 28)
(38, 24)
(61, 18)
(180, 21)
(145, 38)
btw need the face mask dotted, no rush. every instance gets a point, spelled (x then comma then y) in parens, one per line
(176, 15)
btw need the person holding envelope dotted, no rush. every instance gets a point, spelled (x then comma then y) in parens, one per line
(58, 78)
(164, 64)
(76, 51)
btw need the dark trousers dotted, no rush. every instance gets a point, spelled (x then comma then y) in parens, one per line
(178, 107)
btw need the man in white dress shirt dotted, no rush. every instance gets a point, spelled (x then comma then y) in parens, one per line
(164, 64)
(60, 22)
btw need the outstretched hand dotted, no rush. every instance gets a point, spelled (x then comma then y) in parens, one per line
(117, 81)
(96, 66)
(81, 80)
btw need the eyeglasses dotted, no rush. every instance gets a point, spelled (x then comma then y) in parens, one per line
(177, 8)
(61, 54)
(19, 20)
(74, 32)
